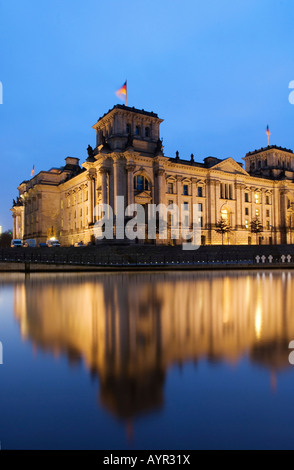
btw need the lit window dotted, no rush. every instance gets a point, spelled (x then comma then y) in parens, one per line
(257, 212)
(256, 196)
(247, 224)
(267, 225)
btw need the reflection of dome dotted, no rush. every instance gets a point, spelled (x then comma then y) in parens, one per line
(127, 397)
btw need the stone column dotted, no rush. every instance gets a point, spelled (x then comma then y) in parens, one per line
(103, 171)
(91, 199)
(238, 205)
(115, 183)
(161, 185)
(193, 194)
(130, 171)
(14, 226)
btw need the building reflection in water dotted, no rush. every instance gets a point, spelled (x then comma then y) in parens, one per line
(130, 328)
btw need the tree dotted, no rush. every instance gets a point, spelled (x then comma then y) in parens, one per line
(5, 239)
(222, 226)
(256, 227)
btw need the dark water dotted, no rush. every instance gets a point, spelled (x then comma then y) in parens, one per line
(147, 361)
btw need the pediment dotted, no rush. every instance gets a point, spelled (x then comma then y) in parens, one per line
(144, 197)
(230, 166)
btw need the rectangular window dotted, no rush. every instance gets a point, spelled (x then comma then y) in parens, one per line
(185, 190)
(170, 188)
(186, 205)
(267, 213)
(200, 191)
(200, 207)
(247, 224)
(246, 197)
(170, 202)
(246, 210)
(257, 198)
(201, 221)
(267, 225)
(267, 201)
(257, 212)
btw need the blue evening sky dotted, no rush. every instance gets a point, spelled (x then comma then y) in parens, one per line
(216, 71)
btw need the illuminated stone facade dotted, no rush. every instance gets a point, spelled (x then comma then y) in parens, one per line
(128, 160)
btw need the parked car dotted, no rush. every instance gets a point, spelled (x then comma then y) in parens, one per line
(79, 244)
(53, 243)
(31, 243)
(16, 243)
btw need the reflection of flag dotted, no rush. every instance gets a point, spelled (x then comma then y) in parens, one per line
(33, 170)
(122, 92)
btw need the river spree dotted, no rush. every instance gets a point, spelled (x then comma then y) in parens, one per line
(147, 361)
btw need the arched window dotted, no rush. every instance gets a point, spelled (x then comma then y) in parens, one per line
(128, 128)
(225, 215)
(138, 130)
(147, 131)
(141, 183)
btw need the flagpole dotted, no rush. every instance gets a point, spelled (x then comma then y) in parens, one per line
(126, 93)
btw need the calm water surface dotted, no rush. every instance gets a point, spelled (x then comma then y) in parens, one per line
(147, 361)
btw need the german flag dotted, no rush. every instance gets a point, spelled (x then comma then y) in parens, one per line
(33, 170)
(268, 135)
(122, 92)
